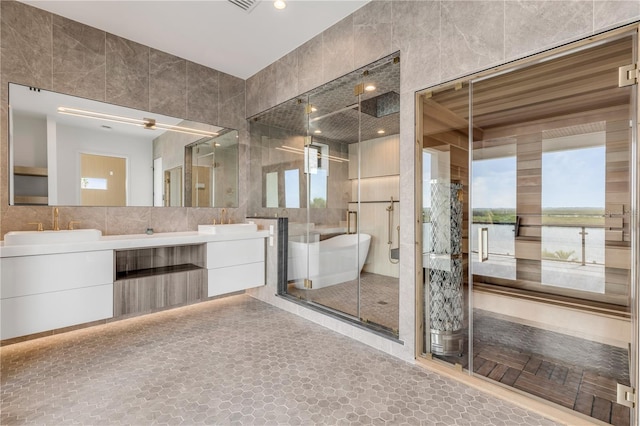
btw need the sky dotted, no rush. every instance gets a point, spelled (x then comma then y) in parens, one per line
(292, 187)
(573, 178)
(494, 183)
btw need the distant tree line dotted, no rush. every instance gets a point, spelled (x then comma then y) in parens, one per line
(569, 216)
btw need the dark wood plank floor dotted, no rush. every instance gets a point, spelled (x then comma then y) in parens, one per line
(573, 387)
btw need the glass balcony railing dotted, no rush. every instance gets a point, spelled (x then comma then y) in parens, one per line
(572, 256)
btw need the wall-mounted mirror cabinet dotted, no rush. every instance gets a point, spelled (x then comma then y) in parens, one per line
(70, 151)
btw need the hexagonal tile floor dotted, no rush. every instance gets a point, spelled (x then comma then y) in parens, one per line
(229, 361)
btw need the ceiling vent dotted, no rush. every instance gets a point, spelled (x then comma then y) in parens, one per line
(246, 5)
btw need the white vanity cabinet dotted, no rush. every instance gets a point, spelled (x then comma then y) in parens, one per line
(47, 292)
(235, 265)
(55, 285)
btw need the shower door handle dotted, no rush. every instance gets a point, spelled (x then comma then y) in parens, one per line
(483, 244)
(355, 214)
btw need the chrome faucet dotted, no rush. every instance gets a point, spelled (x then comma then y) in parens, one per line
(56, 223)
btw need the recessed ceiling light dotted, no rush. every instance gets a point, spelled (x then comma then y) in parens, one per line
(381, 132)
(369, 87)
(313, 109)
(317, 132)
(279, 4)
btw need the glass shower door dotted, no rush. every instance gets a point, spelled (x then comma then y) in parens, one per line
(333, 123)
(377, 188)
(352, 195)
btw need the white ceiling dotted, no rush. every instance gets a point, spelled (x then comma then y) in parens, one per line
(214, 33)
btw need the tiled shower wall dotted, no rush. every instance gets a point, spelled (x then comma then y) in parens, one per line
(51, 52)
(438, 41)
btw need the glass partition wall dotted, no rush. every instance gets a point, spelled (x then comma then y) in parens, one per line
(527, 227)
(329, 161)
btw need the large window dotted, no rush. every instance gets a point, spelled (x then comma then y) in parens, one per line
(292, 188)
(573, 208)
(494, 212)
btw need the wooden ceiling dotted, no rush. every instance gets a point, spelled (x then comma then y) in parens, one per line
(568, 86)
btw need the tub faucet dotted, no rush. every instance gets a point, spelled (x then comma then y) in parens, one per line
(56, 223)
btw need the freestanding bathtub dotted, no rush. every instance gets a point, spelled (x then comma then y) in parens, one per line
(329, 262)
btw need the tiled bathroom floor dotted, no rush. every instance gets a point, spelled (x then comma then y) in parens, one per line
(378, 298)
(569, 371)
(229, 361)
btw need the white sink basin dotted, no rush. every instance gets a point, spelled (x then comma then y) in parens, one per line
(21, 238)
(232, 228)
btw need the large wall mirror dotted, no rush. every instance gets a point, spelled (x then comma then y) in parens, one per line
(70, 151)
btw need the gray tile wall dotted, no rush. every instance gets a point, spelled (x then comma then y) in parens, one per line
(167, 84)
(79, 59)
(439, 40)
(127, 73)
(51, 52)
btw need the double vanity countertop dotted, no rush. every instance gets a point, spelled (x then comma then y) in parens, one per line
(130, 241)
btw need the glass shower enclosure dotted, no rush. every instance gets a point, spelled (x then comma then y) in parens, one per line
(328, 160)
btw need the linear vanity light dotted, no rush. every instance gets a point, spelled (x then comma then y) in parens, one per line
(152, 124)
(301, 151)
(147, 123)
(99, 116)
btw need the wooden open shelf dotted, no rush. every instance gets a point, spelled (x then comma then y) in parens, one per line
(161, 270)
(30, 171)
(31, 200)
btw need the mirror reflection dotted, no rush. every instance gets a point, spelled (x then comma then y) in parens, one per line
(211, 179)
(70, 151)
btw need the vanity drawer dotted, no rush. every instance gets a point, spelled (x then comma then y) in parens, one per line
(20, 316)
(235, 278)
(236, 252)
(27, 275)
